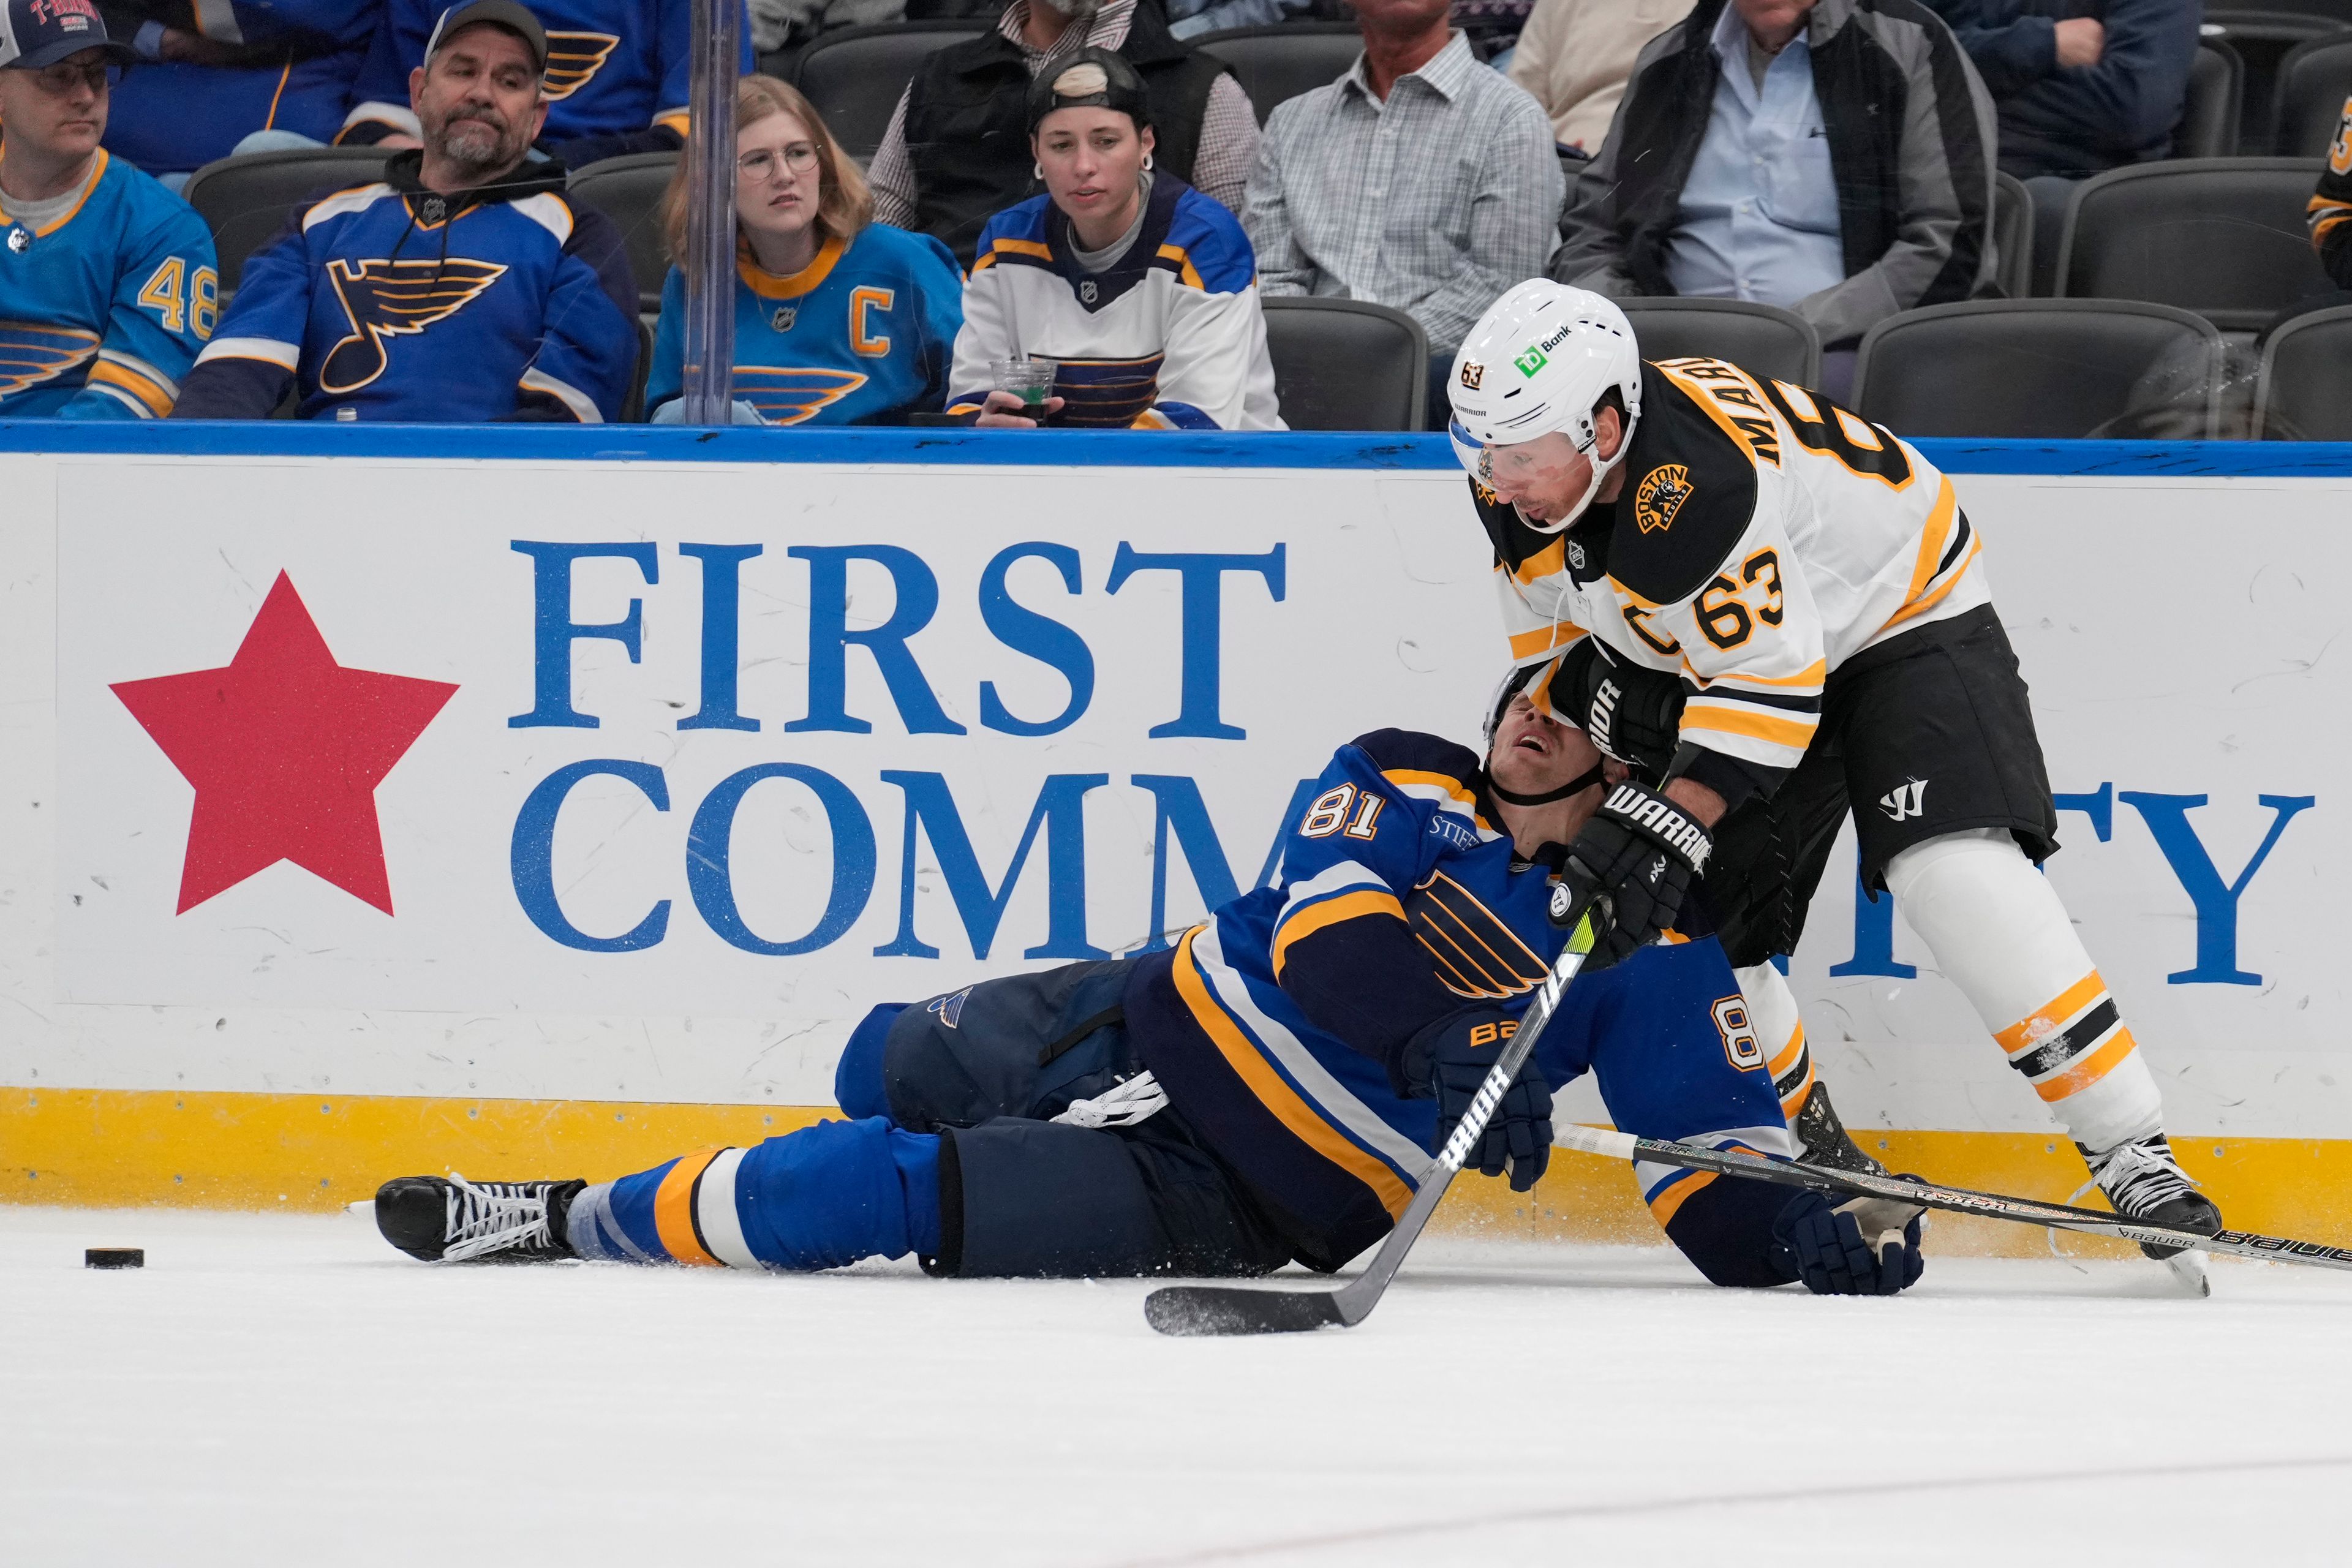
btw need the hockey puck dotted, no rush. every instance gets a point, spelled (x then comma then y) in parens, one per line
(114, 1258)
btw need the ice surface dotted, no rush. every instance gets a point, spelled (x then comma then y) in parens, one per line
(275, 1389)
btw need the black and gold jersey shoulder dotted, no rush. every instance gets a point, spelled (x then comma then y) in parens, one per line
(2329, 214)
(1689, 496)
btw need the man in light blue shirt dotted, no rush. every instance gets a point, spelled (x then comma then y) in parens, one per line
(1759, 211)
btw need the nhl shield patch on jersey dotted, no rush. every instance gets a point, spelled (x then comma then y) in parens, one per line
(1662, 493)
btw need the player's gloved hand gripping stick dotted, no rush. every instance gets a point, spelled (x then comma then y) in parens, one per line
(1246, 1310)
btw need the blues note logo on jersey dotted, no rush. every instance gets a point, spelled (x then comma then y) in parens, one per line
(786, 394)
(573, 59)
(394, 299)
(1476, 954)
(32, 352)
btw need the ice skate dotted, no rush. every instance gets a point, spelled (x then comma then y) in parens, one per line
(458, 1221)
(1823, 1138)
(2142, 1179)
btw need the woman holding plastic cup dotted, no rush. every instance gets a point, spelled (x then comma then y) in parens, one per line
(838, 320)
(1122, 297)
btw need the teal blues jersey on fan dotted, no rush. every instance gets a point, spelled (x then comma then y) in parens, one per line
(171, 116)
(103, 311)
(1398, 837)
(616, 68)
(863, 332)
(389, 301)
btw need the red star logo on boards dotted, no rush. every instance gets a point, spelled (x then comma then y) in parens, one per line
(285, 748)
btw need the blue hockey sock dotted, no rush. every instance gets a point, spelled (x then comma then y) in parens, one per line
(858, 1086)
(819, 1198)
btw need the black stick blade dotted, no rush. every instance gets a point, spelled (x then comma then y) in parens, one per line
(1230, 1309)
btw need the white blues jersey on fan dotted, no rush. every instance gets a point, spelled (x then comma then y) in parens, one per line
(1763, 537)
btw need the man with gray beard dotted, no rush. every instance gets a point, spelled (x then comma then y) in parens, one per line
(957, 150)
(462, 286)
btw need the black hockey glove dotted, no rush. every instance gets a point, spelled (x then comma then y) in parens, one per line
(1863, 1246)
(1448, 1061)
(1634, 861)
(1635, 715)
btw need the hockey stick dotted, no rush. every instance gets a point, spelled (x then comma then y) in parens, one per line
(1242, 1309)
(1955, 1200)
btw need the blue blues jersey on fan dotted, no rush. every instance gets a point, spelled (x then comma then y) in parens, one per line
(302, 57)
(1280, 1023)
(616, 73)
(103, 309)
(389, 301)
(864, 330)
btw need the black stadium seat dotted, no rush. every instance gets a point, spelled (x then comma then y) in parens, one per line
(1347, 364)
(2304, 390)
(2013, 235)
(246, 201)
(1762, 340)
(856, 76)
(2313, 81)
(2263, 39)
(1280, 62)
(2208, 120)
(628, 190)
(2024, 368)
(2222, 237)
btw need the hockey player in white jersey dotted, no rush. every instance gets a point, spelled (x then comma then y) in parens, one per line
(1788, 604)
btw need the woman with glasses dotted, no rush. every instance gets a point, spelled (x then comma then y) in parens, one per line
(838, 320)
(107, 281)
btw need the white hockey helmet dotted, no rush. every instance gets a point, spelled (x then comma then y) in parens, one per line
(1540, 359)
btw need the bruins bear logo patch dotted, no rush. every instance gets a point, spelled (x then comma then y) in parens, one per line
(1664, 490)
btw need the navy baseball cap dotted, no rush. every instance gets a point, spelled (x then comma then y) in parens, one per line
(37, 33)
(507, 14)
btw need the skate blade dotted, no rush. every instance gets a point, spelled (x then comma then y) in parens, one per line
(2188, 1268)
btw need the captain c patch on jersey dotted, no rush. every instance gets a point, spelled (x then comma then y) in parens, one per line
(1662, 493)
(394, 299)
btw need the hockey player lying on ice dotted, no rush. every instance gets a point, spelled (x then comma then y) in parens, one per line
(1269, 1090)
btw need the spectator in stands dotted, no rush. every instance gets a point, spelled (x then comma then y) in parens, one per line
(1833, 157)
(1419, 180)
(107, 286)
(461, 287)
(795, 23)
(616, 73)
(1575, 55)
(215, 74)
(1136, 284)
(838, 320)
(2077, 94)
(1190, 18)
(956, 149)
(2329, 215)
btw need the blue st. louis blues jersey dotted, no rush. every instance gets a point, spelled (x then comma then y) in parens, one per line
(616, 69)
(103, 311)
(1277, 1025)
(863, 332)
(302, 57)
(395, 302)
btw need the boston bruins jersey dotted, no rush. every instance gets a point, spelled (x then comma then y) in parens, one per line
(391, 302)
(1763, 537)
(864, 330)
(2329, 214)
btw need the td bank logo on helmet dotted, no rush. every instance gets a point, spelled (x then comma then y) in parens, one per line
(1539, 354)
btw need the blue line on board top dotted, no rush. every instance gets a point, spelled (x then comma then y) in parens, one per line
(1047, 449)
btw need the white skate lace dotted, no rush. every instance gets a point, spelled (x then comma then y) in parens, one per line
(2138, 1178)
(1138, 1098)
(492, 1218)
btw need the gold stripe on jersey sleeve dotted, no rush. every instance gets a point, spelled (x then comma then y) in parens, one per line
(1275, 1095)
(1330, 912)
(1548, 562)
(1813, 675)
(1932, 539)
(1952, 580)
(1527, 645)
(1794, 733)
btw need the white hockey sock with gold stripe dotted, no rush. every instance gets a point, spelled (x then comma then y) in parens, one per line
(1999, 932)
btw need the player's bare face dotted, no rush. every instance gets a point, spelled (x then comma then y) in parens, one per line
(478, 102)
(1093, 162)
(1534, 754)
(1542, 477)
(777, 179)
(59, 111)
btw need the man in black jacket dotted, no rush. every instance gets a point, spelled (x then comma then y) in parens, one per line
(957, 150)
(1835, 158)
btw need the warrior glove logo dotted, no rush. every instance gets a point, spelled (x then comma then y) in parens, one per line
(1662, 493)
(1906, 800)
(386, 300)
(1603, 712)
